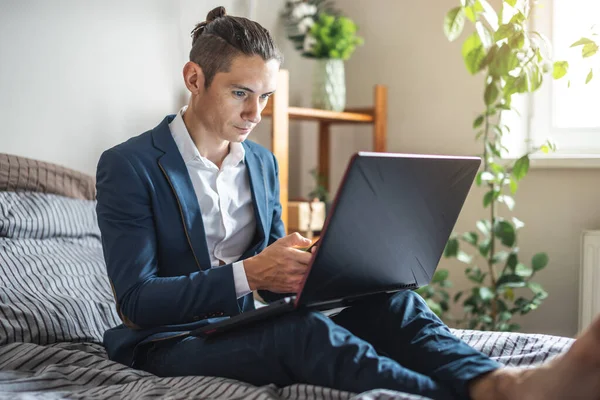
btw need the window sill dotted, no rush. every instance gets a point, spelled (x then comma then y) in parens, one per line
(552, 161)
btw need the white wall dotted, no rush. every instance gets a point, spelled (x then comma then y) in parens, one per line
(77, 77)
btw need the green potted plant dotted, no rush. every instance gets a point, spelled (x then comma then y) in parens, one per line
(318, 31)
(512, 59)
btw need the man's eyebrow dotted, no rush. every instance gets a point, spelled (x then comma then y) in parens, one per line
(248, 89)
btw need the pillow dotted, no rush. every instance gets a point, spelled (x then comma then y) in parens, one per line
(53, 282)
(42, 216)
(19, 174)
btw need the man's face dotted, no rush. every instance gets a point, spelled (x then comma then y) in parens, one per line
(231, 106)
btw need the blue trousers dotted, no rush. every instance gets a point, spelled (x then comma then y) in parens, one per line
(389, 341)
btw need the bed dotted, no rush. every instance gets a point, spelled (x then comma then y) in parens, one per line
(56, 302)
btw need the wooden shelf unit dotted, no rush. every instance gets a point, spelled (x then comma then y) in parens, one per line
(281, 113)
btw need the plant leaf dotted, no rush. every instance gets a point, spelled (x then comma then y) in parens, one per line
(478, 178)
(504, 31)
(499, 257)
(464, 257)
(510, 280)
(539, 261)
(504, 316)
(511, 2)
(509, 201)
(451, 249)
(505, 232)
(518, 223)
(523, 270)
(514, 327)
(511, 261)
(582, 41)
(454, 23)
(486, 37)
(521, 167)
(457, 296)
(491, 93)
(440, 275)
(517, 40)
(535, 77)
(560, 69)
(589, 50)
(478, 121)
(514, 185)
(590, 75)
(484, 247)
(484, 226)
(487, 176)
(470, 237)
(485, 293)
(518, 18)
(473, 53)
(537, 289)
(489, 14)
(489, 57)
(470, 13)
(488, 198)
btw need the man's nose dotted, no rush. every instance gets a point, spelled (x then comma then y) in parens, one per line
(252, 112)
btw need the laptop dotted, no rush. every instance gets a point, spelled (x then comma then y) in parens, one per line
(385, 232)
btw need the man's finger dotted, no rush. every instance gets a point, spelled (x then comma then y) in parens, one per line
(296, 239)
(297, 269)
(300, 256)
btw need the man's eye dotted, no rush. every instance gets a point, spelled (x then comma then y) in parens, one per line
(239, 93)
(265, 96)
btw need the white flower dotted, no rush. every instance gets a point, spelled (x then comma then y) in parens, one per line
(309, 43)
(305, 24)
(302, 10)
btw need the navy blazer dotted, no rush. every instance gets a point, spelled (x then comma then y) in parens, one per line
(155, 246)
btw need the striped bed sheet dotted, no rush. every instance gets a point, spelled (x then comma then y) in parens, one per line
(56, 302)
(82, 371)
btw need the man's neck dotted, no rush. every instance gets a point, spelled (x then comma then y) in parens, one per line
(209, 145)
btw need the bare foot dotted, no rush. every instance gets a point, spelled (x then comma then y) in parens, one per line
(573, 375)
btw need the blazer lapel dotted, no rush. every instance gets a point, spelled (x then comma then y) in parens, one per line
(174, 169)
(258, 186)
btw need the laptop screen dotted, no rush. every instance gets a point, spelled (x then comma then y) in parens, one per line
(388, 225)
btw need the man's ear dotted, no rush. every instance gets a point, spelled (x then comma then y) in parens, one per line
(193, 77)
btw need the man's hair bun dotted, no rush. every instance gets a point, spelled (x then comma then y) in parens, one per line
(218, 12)
(215, 13)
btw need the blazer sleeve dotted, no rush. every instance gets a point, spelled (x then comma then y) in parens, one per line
(126, 221)
(277, 231)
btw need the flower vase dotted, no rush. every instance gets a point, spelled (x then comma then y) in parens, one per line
(329, 85)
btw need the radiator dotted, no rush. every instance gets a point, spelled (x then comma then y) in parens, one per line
(589, 279)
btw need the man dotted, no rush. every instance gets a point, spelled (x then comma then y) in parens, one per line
(190, 221)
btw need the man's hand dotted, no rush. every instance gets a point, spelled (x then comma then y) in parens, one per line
(280, 267)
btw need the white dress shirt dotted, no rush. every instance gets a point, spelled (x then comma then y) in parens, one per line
(225, 200)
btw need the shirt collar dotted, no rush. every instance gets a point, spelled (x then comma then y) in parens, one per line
(189, 151)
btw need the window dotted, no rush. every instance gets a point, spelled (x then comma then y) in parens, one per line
(567, 115)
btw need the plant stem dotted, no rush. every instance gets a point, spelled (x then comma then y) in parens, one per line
(491, 184)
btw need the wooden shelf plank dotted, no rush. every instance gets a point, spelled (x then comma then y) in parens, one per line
(365, 115)
(328, 116)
